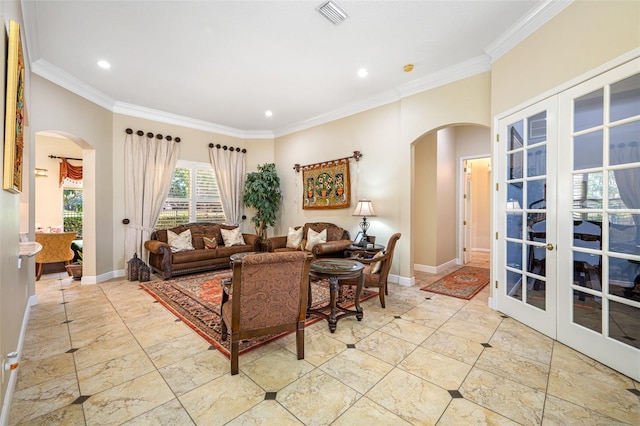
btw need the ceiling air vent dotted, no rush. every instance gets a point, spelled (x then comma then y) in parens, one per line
(332, 12)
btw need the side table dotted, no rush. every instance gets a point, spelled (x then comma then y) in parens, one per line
(336, 270)
(355, 250)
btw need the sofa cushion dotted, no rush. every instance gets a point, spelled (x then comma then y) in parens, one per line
(232, 237)
(213, 231)
(294, 238)
(375, 266)
(314, 238)
(180, 242)
(334, 232)
(210, 243)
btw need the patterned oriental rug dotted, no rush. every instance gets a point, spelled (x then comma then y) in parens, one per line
(463, 283)
(195, 299)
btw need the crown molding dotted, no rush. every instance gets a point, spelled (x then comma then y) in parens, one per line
(524, 27)
(63, 79)
(453, 73)
(355, 108)
(191, 123)
(456, 72)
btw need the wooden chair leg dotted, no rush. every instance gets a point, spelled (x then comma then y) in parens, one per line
(300, 341)
(235, 344)
(381, 293)
(38, 271)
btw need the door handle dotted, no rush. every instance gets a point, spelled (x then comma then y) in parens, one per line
(549, 247)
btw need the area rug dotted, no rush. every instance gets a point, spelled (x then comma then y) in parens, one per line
(463, 283)
(195, 299)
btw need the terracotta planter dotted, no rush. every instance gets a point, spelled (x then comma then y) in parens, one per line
(75, 270)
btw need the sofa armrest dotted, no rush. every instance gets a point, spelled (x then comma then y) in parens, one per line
(157, 247)
(331, 247)
(253, 240)
(276, 243)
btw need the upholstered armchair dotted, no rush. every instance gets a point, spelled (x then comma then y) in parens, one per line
(56, 247)
(376, 274)
(268, 296)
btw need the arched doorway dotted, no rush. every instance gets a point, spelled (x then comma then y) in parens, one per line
(49, 209)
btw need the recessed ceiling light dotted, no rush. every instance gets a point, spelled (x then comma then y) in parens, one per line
(104, 64)
(408, 68)
(268, 113)
(362, 73)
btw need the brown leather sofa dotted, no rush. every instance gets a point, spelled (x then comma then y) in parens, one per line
(169, 264)
(337, 240)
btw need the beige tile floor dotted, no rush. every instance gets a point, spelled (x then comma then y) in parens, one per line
(108, 354)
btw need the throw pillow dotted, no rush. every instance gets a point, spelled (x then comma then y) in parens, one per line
(294, 237)
(180, 242)
(375, 266)
(210, 243)
(232, 237)
(314, 238)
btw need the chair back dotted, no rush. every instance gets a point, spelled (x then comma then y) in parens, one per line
(270, 291)
(386, 263)
(56, 247)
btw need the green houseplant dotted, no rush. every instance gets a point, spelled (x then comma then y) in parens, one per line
(262, 192)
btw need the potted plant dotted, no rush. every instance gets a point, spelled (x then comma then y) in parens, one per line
(75, 269)
(262, 192)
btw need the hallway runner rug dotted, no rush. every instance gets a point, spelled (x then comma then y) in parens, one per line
(195, 299)
(463, 283)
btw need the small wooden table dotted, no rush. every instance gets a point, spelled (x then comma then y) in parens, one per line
(336, 270)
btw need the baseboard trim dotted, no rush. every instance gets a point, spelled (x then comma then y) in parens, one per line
(437, 269)
(482, 250)
(88, 279)
(13, 376)
(403, 281)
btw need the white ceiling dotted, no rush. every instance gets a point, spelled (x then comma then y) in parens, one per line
(219, 65)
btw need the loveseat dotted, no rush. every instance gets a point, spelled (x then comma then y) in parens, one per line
(337, 240)
(180, 260)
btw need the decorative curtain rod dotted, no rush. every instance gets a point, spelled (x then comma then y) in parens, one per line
(151, 135)
(230, 148)
(357, 155)
(67, 158)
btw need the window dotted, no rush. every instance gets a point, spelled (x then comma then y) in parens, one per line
(72, 211)
(193, 196)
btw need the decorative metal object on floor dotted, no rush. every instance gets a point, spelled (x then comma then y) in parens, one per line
(144, 272)
(133, 267)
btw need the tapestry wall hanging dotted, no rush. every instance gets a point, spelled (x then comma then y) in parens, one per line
(326, 185)
(15, 112)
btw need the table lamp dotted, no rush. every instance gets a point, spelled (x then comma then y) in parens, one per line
(364, 208)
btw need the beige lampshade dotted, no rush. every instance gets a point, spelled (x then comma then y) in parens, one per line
(364, 208)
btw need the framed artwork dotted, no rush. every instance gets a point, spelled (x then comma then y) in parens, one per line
(15, 113)
(326, 185)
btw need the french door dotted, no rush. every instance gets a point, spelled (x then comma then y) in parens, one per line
(526, 228)
(568, 217)
(599, 187)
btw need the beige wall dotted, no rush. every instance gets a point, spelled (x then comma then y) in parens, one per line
(54, 109)
(584, 36)
(48, 192)
(375, 176)
(424, 232)
(16, 284)
(446, 197)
